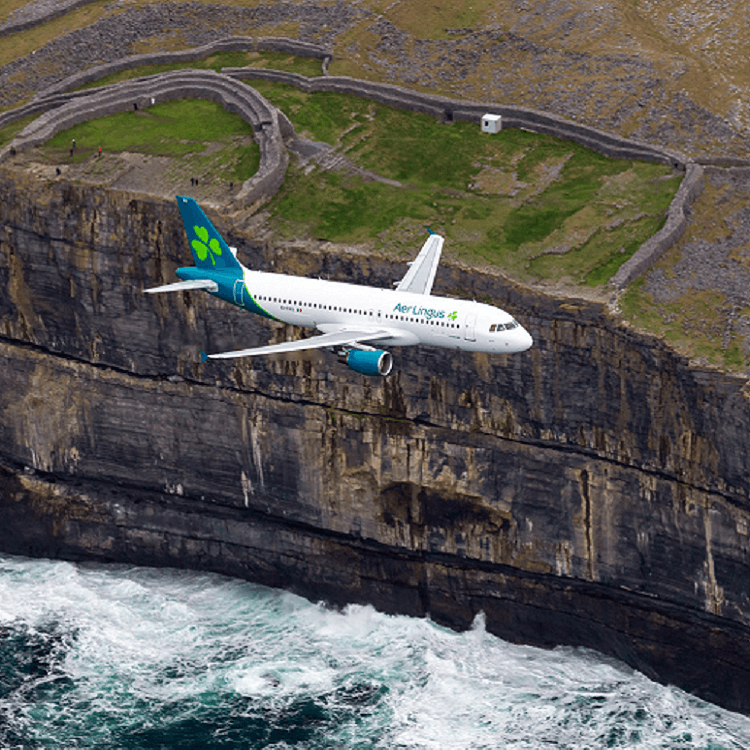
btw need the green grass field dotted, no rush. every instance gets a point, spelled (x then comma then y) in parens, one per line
(192, 131)
(538, 207)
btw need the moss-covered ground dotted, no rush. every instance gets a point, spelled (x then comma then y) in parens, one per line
(697, 324)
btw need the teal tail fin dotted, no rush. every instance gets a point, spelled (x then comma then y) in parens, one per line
(208, 246)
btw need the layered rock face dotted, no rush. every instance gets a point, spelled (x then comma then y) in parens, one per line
(592, 491)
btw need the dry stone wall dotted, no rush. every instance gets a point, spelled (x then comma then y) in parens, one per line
(456, 109)
(651, 250)
(230, 44)
(142, 92)
(55, 96)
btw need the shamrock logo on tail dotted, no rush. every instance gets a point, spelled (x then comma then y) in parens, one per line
(199, 245)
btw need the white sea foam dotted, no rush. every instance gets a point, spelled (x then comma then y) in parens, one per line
(139, 658)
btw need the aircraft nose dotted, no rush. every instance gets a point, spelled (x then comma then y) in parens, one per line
(524, 339)
(520, 341)
(514, 341)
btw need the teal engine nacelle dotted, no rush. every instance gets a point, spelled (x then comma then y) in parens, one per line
(369, 361)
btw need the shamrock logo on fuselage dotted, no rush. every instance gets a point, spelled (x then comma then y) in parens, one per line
(453, 316)
(201, 249)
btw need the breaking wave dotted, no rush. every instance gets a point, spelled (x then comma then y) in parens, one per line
(95, 656)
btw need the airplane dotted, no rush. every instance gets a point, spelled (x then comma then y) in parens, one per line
(353, 320)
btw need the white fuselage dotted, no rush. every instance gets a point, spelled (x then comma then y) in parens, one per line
(407, 318)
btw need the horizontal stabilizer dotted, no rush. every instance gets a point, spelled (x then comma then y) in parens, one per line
(337, 338)
(182, 286)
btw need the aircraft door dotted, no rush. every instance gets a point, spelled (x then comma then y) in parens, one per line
(239, 287)
(469, 329)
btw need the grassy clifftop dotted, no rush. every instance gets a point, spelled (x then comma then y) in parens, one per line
(671, 73)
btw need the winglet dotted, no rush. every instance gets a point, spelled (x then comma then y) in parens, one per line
(204, 356)
(421, 274)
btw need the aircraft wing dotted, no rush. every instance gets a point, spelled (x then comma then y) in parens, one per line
(337, 338)
(421, 274)
(181, 286)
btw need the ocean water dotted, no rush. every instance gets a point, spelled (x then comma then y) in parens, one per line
(95, 656)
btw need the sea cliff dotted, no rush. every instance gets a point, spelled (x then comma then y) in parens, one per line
(592, 491)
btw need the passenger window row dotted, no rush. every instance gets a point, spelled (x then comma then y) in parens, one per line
(422, 320)
(359, 312)
(297, 303)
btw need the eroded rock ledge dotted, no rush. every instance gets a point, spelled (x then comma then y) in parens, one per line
(592, 491)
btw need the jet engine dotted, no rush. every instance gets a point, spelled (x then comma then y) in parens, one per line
(369, 361)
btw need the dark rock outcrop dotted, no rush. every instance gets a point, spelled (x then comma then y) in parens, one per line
(592, 491)
(38, 12)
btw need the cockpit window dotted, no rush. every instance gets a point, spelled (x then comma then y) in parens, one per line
(504, 326)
